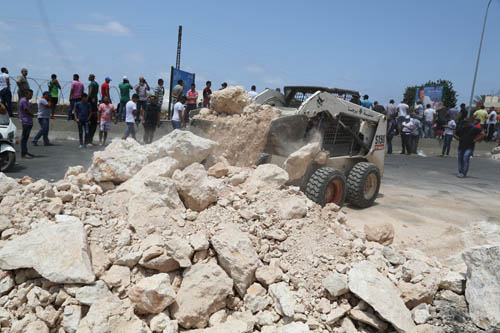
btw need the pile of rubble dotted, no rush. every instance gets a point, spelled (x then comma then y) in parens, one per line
(240, 128)
(153, 239)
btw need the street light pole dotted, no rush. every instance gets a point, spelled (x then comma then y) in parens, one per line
(478, 56)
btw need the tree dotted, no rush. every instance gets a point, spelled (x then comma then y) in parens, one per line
(449, 94)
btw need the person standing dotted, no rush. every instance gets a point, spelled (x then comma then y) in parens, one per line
(491, 123)
(159, 93)
(429, 117)
(81, 115)
(106, 114)
(75, 95)
(191, 98)
(449, 131)
(5, 93)
(44, 107)
(378, 108)
(125, 88)
(130, 114)
(26, 117)
(406, 129)
(418, 113)
(402, 113)
(415, 134)
(177, 117)
(253, 92)
(462, 115)
(22, 83)
(207, 94)
(366, 102)
(54, 88)
(177, 91)
(467, 137)
(392, 130)
(105, 89)
(482, 115)
(453, 112)
(223, 86)
(141, 89)
(150, 119)
(391, 109)
(93, 116)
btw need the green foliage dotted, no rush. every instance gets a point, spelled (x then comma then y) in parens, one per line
(449, 94)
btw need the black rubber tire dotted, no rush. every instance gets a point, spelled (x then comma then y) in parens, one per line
(10, 157)
(356, 184)
(318, 185)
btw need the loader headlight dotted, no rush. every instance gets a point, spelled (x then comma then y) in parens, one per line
(11, 135)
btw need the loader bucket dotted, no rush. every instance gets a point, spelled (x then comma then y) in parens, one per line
(285, 132)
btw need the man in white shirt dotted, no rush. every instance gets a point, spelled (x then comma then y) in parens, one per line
(402, 112)
(5, 94)
(491, 123)
(429, 118)
(406, 129)
(449, 130)
(178, 116)
(390, 109)
(130, 115)
(415, 134)
(253, 92)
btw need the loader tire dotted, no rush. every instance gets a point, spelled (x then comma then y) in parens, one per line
(363, 184)
(326, 185)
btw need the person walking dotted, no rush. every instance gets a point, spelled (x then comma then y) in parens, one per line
(93, 116)
(392, 131)
(429, 117)
(391, 109)
(416, 131)
(106, 112)
(26, 117)
(253, 92)
(150, 119)
(449, 131)
(75, 95)
(159, 93)
(81, 116)
(141, 89)
(178, 116)
(125, 88)
(131, 116)
(191, 98)
(207, 94)
(5, 93)
(22, 84)
(54, 88)
(491, 123)
(467, 137)
(44, 109)
(406, 129)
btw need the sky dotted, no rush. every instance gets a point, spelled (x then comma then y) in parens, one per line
(376, 47)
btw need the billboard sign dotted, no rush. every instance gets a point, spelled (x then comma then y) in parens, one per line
(430, 95)
(186, 77)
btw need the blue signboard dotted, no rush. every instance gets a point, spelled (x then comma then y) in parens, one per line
(430, 95)
(186, 77)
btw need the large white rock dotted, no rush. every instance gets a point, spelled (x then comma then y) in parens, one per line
(91, 294)
(164, 167)
(196, 190)
(153, 294)
(294, 207)
(453, 281)
(120, 161)
(267, 176)
(237, 256)
(203, 291)
(381, 294)
(382, 233)
(231, 100)
(7, 184)
(71, 318)
(297, 163)
(180, 250)
(184, 146)
(57, 252)
(284, 301)
(295, 327)
(482, 289)
(335, 284)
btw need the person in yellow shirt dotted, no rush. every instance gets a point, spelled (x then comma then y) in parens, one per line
(482, 115)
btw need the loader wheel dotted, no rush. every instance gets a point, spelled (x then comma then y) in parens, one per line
(363, 184)
(326, 185)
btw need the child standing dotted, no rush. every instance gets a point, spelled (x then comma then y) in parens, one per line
(81, 114)
(150, 119)
(106, 113)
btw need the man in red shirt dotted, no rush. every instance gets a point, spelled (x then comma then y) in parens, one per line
(192, 98)
(207, 94)
(105, 89)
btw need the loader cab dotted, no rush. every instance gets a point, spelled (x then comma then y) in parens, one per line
(296, 95)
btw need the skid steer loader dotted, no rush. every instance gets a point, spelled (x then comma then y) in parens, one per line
(352, 140)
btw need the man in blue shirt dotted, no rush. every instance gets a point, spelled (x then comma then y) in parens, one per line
(81, 113)
(366, 102)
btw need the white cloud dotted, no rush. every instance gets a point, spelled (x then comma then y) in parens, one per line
(113, 27)
(254, 69)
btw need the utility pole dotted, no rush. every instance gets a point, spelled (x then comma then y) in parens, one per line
(179, 42)
(477, 62)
